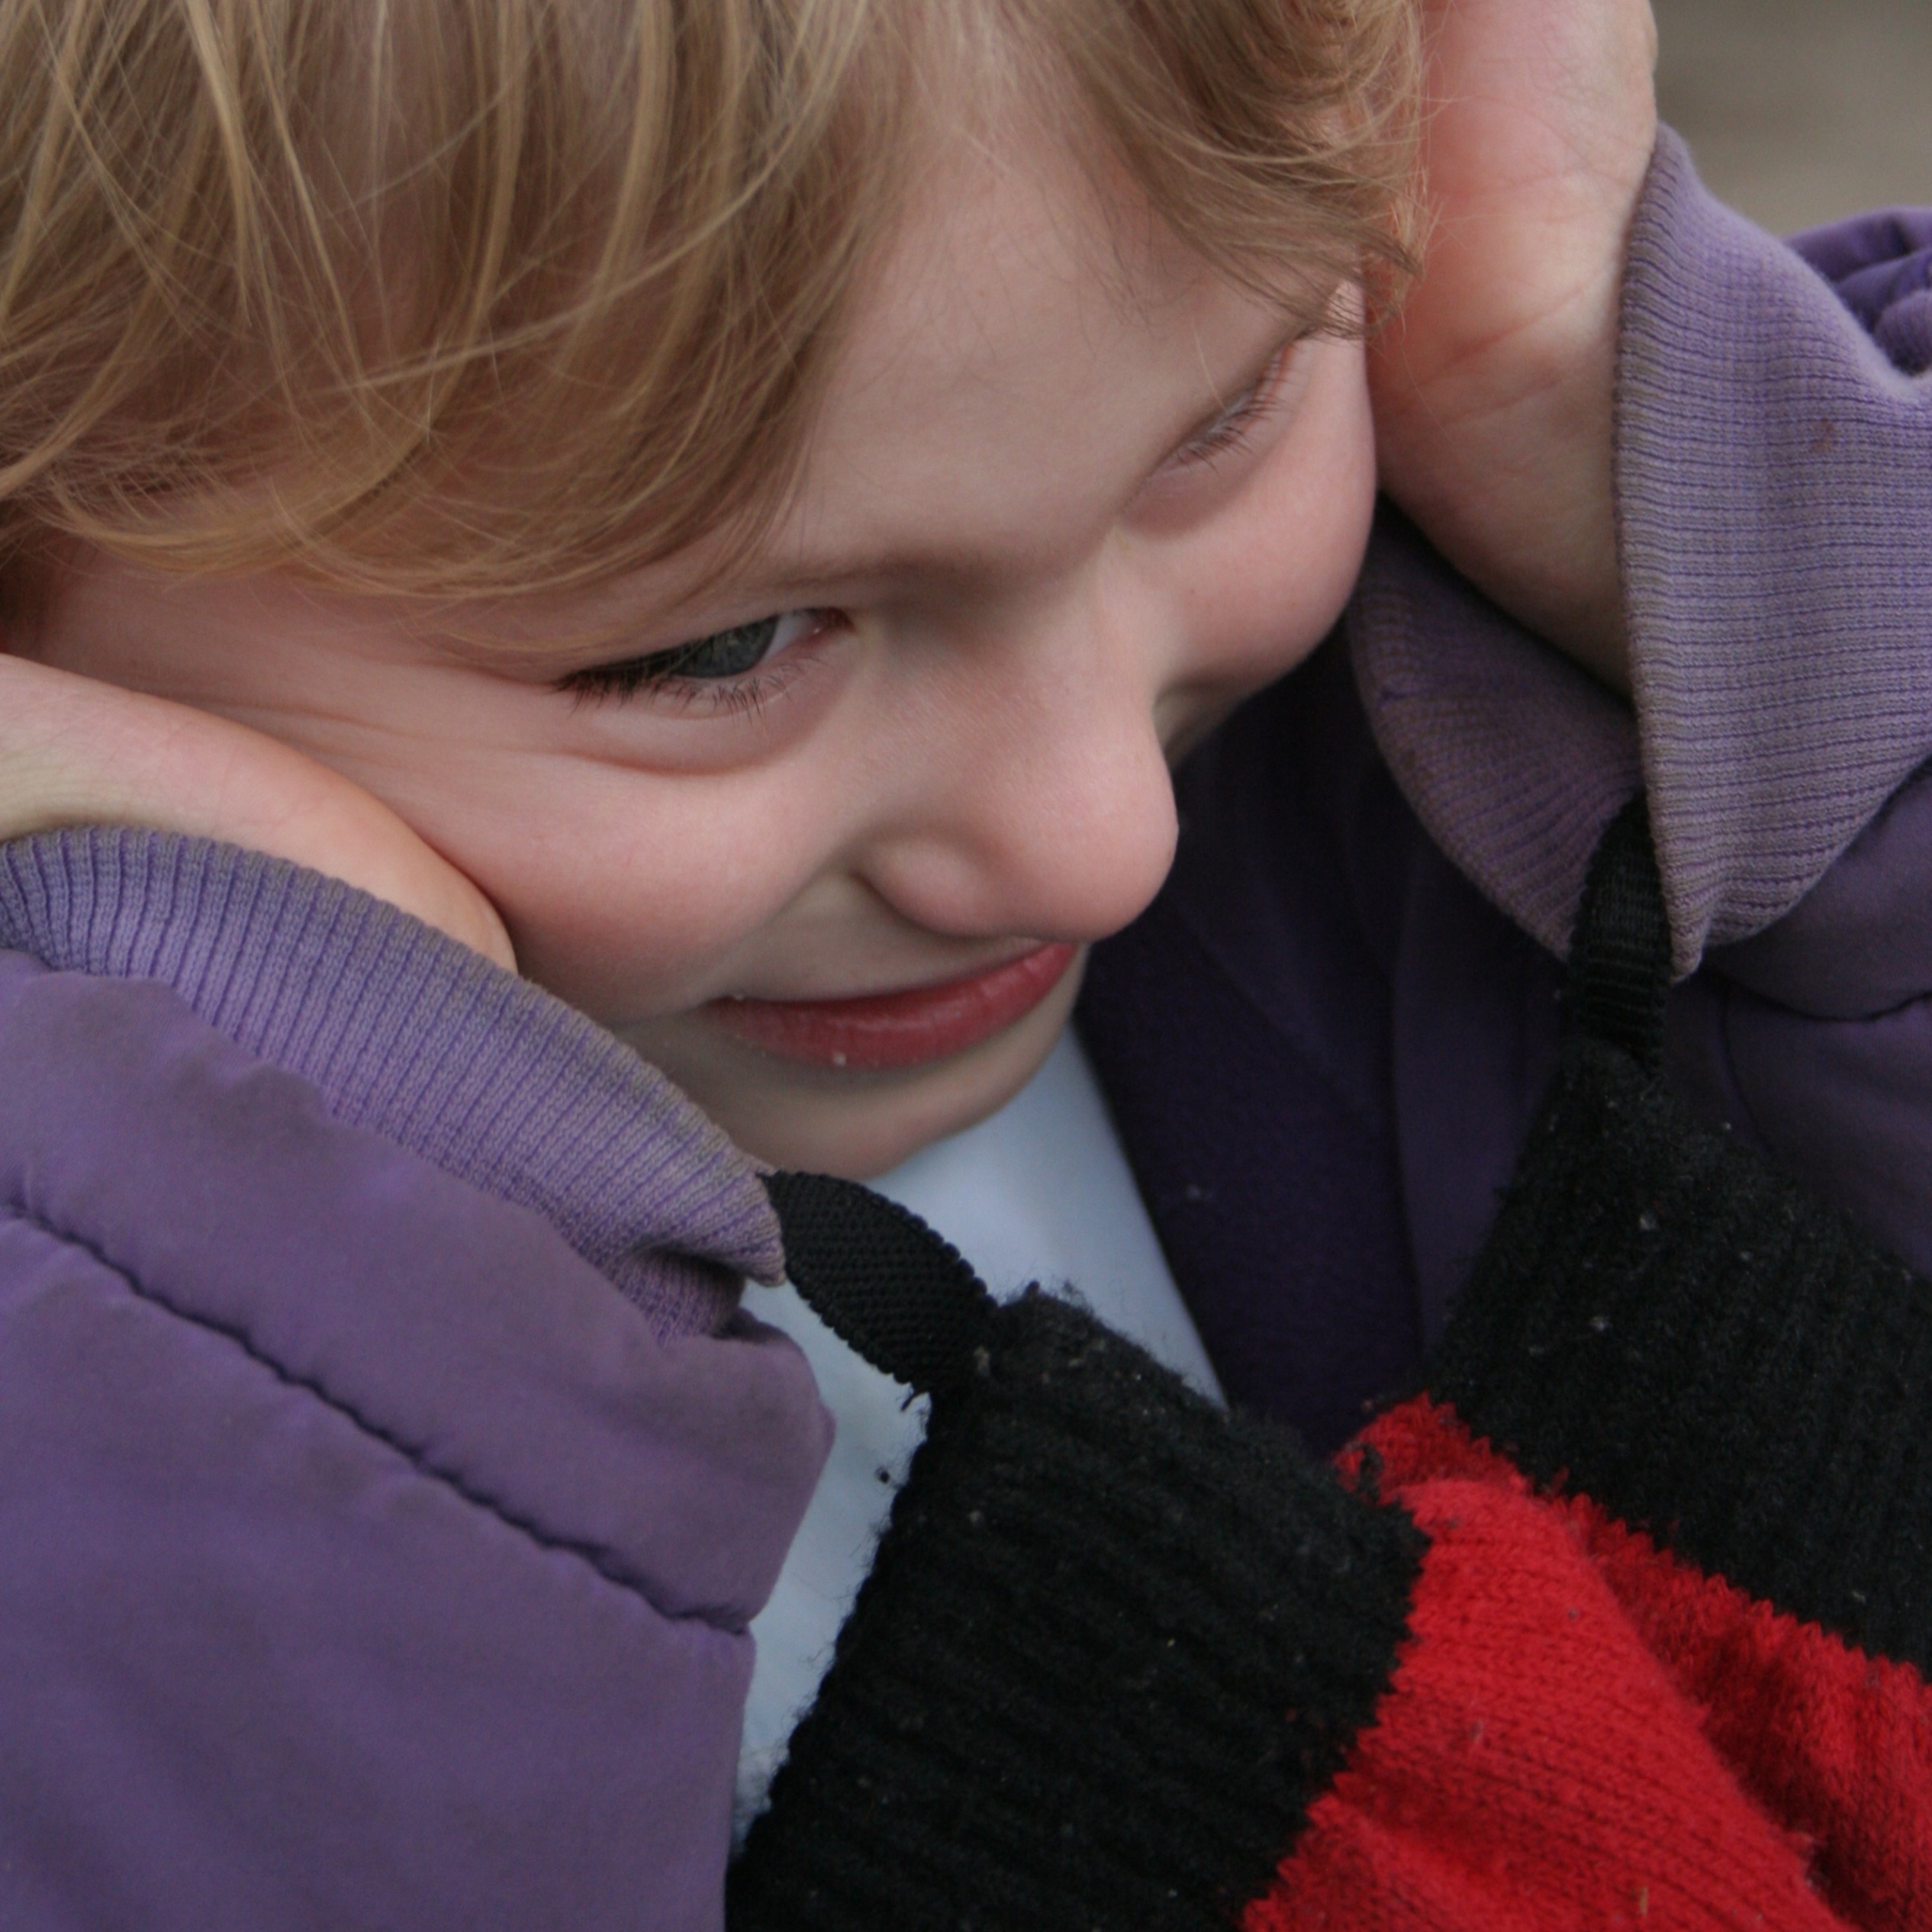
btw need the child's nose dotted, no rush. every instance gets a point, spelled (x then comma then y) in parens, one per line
(1039, 802)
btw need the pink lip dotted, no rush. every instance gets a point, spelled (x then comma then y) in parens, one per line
(904, 1029)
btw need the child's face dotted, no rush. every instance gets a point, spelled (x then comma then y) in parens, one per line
(1035, 554)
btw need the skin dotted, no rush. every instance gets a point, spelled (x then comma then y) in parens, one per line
(1035, 596)
(1035, 590)
(1493, 390)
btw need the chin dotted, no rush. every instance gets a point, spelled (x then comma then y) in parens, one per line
(858, 1126)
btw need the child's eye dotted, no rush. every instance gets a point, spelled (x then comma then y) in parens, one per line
(718, 658)
(1235, 423)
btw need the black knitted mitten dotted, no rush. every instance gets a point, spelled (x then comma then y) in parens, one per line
(1151, 1627)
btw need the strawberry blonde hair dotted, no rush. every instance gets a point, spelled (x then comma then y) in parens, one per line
(483, 297)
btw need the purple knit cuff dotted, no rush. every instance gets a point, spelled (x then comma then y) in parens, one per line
(1775, 497)
(1513, 759)
(1774, 484)
(408, 1033)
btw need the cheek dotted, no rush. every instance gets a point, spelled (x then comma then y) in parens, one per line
(1262, 585)
(624, 892)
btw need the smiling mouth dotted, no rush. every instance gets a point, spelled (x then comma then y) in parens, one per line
(892, 1030)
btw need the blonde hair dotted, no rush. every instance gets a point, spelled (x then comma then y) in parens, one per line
(482, 297)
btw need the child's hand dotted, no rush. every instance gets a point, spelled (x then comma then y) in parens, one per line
(1492, 391)
(74, 751)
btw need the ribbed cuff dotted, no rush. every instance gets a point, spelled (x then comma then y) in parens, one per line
(405, 1032)
(1114, 1642)
(1774, 490)
(1513, 758)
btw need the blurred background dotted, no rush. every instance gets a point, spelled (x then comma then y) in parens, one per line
(1801, 110)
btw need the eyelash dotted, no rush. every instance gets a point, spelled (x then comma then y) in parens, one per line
(1232, 430)
(743, 693)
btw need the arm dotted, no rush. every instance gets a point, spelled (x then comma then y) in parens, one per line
(1774, 469)
(1777, 470)
(1774, 483)
(367, 1559)
(1593, 348)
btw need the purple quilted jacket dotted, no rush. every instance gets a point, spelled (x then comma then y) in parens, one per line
(387, 1476)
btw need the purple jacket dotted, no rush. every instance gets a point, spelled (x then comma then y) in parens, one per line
(367, 1561)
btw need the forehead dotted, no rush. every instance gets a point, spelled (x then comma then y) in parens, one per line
(1034, 341)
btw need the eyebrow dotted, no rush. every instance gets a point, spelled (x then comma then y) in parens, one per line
(731, 591)
(812, 572)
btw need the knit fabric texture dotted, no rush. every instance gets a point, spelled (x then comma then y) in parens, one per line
(1113, 1641)
(1777, 1340)
(1776, 1346)
(1619, 979)
(881, 1279)
(1775, 708)
(390, 1021)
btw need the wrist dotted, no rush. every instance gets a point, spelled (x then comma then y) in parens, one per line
(1499, 448)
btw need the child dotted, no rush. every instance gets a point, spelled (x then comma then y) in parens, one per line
(747, 531)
